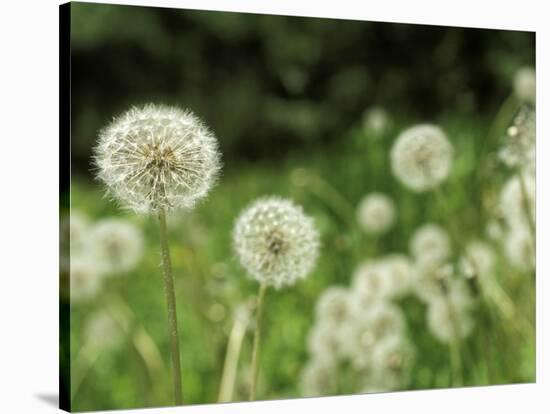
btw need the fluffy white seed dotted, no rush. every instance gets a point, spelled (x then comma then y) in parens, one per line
(421, 157)
(276, 242)
(157, 157)
(376, 213)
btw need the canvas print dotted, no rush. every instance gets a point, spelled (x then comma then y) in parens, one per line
(259, 207)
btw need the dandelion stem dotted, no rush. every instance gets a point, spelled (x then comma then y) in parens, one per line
(171, 304)
(256, 345)
(232, 357)
(455, 346)
(505, 113)
(526, 205)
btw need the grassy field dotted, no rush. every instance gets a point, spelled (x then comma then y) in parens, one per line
(210, 284)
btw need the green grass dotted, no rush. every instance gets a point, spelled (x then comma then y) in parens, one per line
(210, 283)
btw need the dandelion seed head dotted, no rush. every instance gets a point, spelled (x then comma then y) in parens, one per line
(519, 248)
(430, 244)
(334, 305)
(429, 278)
(392, 354)
(376, 213)
(102, 331)
(513, 202)
(326, 340)
(375, 120)
(421, 157)
(276, 242)
(525, 85)
(318, 378)
(368, 286)
(85, 279)
(375, 323)
(478, 260)
(398, 271)
(117, 245)
(519, 149)
(157, 157)
(446, 321)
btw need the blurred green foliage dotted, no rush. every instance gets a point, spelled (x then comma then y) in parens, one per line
(285, 96)
(267, 84)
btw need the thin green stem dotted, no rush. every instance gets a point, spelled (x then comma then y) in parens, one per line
(527, 208)
(171, 304)
(501, 120)
(232, 354)
(256, 345)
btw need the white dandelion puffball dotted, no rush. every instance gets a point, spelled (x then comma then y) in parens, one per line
(519, 249)
(102, 331)
(430, 244)
(368, 286)
(276, 242)
(157, 157)
(318, 378)
(334, 305)
(447, 322)
(376, 213)
(525, 85)
(478, 260)
(429, 279)
(117, 245)
(85, 279)
(375, 120)
(326, 340)
(373, 325)
(514, 204)
(519, 149)
(398, 271)
(421, 157)
(393, 353)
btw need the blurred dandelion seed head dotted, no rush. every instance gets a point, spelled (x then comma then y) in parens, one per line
(318, 378)
(376, 120)
(157, 157)
(430, 244)
(102, 331)
(334, 305)
(519, 248)
(525, 85)
(276, 242)
(514, 203)
(117, 245)
(478, 260)
(376, 213)
(421, 157)
(85, 279)
(448, 321)
(520, 146)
